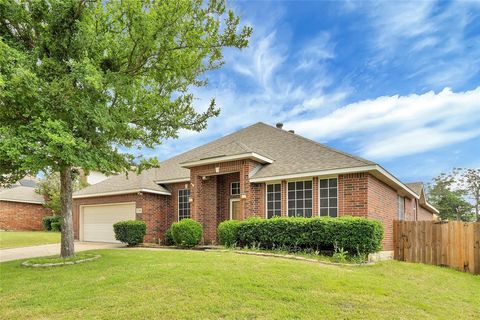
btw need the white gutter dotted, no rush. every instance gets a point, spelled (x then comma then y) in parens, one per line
(172, 181)
(249, 155)
(113, 193)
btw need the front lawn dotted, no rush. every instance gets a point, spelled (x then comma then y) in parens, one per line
(13, 239)
(160, 284)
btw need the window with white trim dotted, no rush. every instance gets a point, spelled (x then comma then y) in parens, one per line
(274, 200)
(183, 204)
(235, 188)
(328, 206)
(300, 201)
(400, 208)
(414, 210)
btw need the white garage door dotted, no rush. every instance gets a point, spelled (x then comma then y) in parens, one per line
(98, 221)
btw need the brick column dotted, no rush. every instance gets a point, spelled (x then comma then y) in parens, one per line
(284, 191)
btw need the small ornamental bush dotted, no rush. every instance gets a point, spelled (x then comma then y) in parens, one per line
(169, 237)
(352, 235)
(48, 220)
(56, 226)
(130, 232)
(187, 233)
(228, 232)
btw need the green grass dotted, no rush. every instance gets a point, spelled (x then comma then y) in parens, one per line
(13, 239)
(161, 284)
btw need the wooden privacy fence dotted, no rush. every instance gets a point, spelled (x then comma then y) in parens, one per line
(454, 243)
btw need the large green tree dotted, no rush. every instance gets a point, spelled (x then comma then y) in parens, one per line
(83, 80)
(446, 195)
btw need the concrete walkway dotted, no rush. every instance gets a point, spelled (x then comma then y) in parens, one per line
(50, 250)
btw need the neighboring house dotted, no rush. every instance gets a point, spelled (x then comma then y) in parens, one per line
(259, 171)
(21, 208)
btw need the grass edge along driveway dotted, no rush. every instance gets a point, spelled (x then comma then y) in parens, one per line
(138, 284)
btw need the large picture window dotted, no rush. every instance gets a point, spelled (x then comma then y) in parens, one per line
(274, 200)
(183, 204)
(300, 199)
(328, 205)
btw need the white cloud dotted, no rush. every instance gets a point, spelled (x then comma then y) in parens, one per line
(392, 126)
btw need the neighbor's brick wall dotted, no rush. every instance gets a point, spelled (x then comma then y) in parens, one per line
(22, 216)
(353, 194)
(424, 214)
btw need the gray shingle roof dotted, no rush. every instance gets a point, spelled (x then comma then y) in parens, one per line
(291, 153)
(21, 194)
(122, 182)
(416, 187)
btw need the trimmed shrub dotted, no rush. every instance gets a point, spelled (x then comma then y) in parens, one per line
(48, 220)
(187, 233)
(169, 237)
(228, 232)
(130, 232)
(56, 226)
(354, 235)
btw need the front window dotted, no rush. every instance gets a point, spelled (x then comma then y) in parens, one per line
(183, 204)
(401, 208)
(328, 197)
(235, 188)
(300, 199)
(274, 200)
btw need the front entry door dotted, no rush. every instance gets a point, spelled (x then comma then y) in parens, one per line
(235, 209)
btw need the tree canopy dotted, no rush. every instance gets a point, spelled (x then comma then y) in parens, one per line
(82, 82)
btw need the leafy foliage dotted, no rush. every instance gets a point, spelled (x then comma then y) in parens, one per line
(56, 226)
(130, 232)
(47, 222)
(169, 237)
(228, 232)
(49, 188)
(187, 233)
(354, 235)
(447, 195)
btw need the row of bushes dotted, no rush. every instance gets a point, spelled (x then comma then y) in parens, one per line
(52, 223)
(354, 235)
(185, 233)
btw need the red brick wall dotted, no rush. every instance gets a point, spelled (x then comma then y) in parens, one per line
(22, 216)
(353, 194)
(424, 214)
(382, 205)
(156, 210)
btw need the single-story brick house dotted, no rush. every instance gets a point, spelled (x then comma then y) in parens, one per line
(21, 208)
(259, 171)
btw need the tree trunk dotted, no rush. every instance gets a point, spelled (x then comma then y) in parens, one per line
(67, 248)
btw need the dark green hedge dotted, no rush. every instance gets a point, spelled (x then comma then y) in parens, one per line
(187, 233)
(130, 232)
(169, 237)
(48, 220)
(228, 232)
(355, 235)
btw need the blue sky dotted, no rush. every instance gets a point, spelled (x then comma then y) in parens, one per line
(394, 82)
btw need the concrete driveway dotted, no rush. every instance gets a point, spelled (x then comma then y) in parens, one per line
(50, 250)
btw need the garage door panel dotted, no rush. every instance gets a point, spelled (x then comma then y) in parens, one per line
(98, 220)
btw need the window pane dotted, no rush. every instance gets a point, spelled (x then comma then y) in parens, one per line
(332, 212)
(308, 194)
(323, 183)
(324, 203)
(324, 212)
(299, 194)
(308, 204)
(308, 184)
(291, 204)
(277, 187)
(332, 202)
(291, 186)
(270, 196)
(308, 213)
(299, 185)
(323, 193)
(300, 203)
(291, 213)
(270, 188)
(299, 212)
(333, 192)
(291, 194)
(332, 182)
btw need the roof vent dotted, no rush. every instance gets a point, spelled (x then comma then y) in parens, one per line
(291, 131)
(279, 125)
